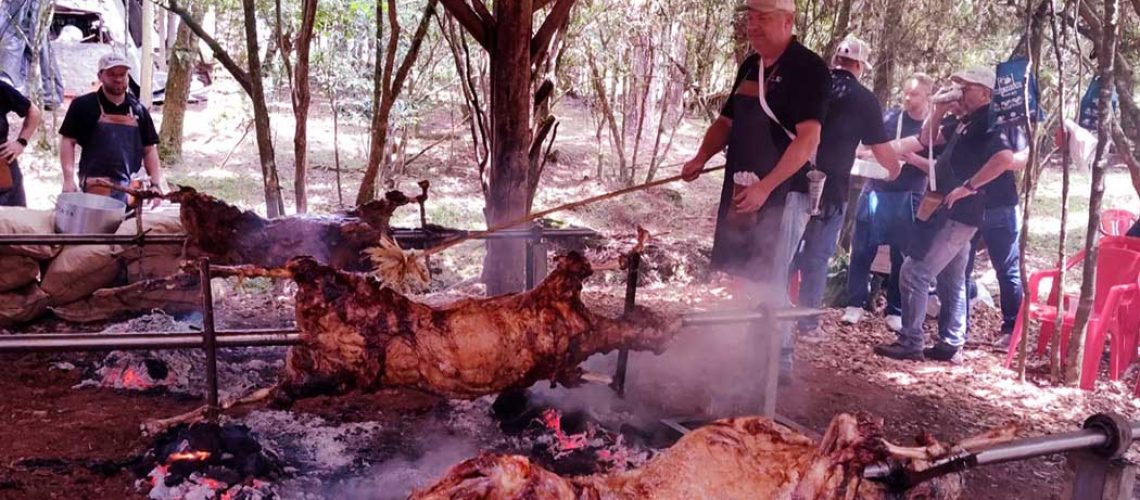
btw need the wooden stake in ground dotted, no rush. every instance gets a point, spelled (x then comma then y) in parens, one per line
(392, 264)
(1106, 57)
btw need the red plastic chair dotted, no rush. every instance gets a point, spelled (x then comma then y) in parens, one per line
(1116, 222)
(1118, 269)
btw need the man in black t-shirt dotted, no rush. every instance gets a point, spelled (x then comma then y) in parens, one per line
(115, 132)
(12, 179)
(853, 116)
(885, 210)
(974, 155)
(771, 126)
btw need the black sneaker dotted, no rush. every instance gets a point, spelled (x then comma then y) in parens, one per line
(898, 351)
(944, 352)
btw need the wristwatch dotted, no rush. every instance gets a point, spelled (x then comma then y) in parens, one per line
(23, 142)
(969, 185)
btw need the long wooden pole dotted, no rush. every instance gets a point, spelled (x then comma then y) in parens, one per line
(543, 213)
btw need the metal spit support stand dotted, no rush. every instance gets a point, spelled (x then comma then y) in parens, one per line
(633, 273)
(209, 341)
(1095, 458)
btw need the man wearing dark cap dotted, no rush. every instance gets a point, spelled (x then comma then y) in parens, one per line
(115, 132)
(771, 126)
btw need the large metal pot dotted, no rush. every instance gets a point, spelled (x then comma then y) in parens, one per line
(85, 213)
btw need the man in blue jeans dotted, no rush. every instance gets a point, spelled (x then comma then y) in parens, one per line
(886, 209)
(853, 116)
(1001, 230)
(975, 154)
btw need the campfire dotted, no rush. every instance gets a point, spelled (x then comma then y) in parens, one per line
(209, 461)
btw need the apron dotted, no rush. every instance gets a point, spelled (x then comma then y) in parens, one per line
(741, 243)
(113, 152)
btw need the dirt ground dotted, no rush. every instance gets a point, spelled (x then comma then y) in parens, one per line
(61, 442)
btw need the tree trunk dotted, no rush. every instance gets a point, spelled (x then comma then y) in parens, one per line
(301, 99)
(274, 207)
(181, 61)
(388, 85)
(889, 38)
(1106, 59)
(510, 141)
(842, 27)
(1059, 281)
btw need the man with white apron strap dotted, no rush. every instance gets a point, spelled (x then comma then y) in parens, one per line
(885, 210)
(115, 132)
(975, 154)
(760, 223)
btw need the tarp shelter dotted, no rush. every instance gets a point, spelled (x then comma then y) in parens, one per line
(17, 22)
(81, 32)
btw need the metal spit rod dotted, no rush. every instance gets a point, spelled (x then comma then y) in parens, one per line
(125, 342)
(401, 235)
(1021, 449)
(760, 314)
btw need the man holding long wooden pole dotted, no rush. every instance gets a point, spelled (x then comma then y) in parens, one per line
(771, 126)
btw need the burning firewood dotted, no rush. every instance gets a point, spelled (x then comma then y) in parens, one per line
(357, 333)
(749, 457)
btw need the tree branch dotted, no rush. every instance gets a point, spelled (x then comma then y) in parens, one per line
(414, 50)
(540, 44)
(239, 74)
(470, 21)
(393, 39)
(484, 14)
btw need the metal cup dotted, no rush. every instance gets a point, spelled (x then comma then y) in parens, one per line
(734, 216)
(816, 179)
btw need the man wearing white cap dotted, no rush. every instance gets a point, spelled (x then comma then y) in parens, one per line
(854, 116)
(771, 126)
(974, 155)
(115, 132)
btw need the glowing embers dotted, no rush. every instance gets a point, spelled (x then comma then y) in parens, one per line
(209, 461)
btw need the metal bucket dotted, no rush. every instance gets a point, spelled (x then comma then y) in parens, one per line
(85, 213)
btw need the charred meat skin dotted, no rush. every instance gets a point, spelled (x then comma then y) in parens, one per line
(358, 334)
(230, 235)
(739, 458)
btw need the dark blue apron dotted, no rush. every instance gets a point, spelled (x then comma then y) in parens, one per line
(740, 243)
(113, 152)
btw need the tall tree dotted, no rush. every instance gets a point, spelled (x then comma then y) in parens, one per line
(180, 62)
(514, 49)
(250, 79)
(388, 84)
(1106, 57)
(301, 99)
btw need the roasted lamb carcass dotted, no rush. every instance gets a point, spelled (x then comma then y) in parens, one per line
(358, 334)
(230, 235)
(739, 458)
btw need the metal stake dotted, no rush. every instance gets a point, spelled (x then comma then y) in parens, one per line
(632, 276)
(209, 341)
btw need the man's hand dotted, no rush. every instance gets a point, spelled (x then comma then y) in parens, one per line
(157, 189)
(69, 185)
(752, 198)
(958, 193)
(11, 150)
(692, 170)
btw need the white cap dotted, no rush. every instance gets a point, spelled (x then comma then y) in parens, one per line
(113, 60)
(764, 6)
(978, 75)
(854, 49)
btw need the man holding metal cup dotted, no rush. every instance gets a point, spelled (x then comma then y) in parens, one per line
(974, 154)
(771, 126)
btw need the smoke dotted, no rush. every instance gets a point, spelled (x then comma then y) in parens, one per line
(397, 477)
